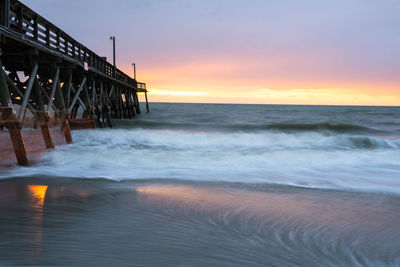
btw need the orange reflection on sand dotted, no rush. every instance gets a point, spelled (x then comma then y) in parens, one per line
(221, 199)
(185, 195)
(38, 193)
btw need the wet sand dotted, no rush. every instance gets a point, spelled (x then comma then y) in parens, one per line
(76, 222)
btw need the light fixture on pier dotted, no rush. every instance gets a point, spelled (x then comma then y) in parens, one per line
(112, 38)
(134, 70)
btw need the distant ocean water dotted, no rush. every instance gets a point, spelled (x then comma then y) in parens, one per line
(213, 185)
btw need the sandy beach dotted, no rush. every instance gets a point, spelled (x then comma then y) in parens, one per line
(65, 221)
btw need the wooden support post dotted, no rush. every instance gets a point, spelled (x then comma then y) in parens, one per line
(133, 104)
(5, 98)
(66, 129)
(43, 118)
(66, 89)
(88, 104)
(114, 102)
(14, 130)
(101, 106)
(137, 105)
(95, 104)
(128, 104)
(46, 134)
(123, 105)
(63, 114)
(118, 100)
(107, 108)
(60, 103)
(53, 89)
(147, 102)
(11, 122)
(44, 125)
(79, 100)
(31, 81)
(11, 84)
(93, 96)
(77, 93)
(120, 105)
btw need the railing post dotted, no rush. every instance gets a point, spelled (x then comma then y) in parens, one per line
(35, 28)
(66, 43)
(5, 13)
(59, 41)
(73, 49)
(20, 15)
(47, 36)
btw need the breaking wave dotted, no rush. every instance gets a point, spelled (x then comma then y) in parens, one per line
(308, 159)
(284, 127)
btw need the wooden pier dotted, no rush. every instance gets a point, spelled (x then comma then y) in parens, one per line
(51, 83)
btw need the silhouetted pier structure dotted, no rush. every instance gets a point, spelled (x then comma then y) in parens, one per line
(49, 81)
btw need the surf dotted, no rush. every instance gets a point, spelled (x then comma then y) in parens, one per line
(306, 159)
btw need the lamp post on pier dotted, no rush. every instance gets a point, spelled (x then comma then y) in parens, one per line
(112, 38)
(134, 70)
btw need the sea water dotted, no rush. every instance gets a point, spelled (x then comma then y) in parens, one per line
(213, 185)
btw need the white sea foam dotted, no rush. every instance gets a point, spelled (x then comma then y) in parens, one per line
(310, 159)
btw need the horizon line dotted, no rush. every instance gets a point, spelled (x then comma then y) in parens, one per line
(215, 103)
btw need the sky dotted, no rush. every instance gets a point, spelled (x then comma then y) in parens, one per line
(328, 52)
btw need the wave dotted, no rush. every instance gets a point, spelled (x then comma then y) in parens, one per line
(284, 127)
(307, 159)
(130, 124)
(231, 141)
(318, 126)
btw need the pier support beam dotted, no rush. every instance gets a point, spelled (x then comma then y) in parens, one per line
(11, 122)
(14, 130)
(46, 134)
(42, 115)
(5, 98)
(147, 102)
(137, 105)
(63, 115)
(66, 129)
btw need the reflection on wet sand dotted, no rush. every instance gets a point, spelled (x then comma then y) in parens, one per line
(38, 194)
(326, 208)
(207, 224)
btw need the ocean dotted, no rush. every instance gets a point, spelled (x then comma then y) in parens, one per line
(213, 185)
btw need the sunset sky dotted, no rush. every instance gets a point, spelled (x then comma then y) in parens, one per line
(245, 51)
